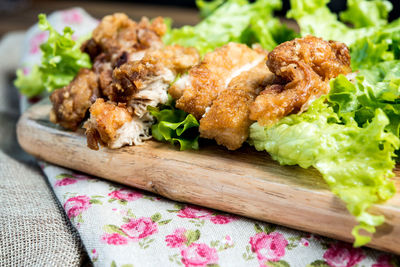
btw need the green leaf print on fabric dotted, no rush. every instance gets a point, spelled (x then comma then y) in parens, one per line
(192, 236)
(318, 263)
(156, 217)
(110, 228)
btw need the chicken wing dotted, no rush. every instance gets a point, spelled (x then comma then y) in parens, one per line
(71, 102)
(201, 86)
(114, 126)
(305, 65)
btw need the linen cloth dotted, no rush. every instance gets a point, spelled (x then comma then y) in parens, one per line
(121, 226)
(34, 230)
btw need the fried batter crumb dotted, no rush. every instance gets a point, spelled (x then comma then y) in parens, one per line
(71, 102)
(117, 33)
(114, 126)
(145, 82)
(206, 80)
(227, 120)
(305, 65)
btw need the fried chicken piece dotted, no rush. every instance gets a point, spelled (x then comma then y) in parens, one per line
(117, 34)
(227, 120)
(114, 126)
(307, 64)
(145, 82)
(118, 39)
(201, 86)
(134, 85)
(103, 69)
(71, 102)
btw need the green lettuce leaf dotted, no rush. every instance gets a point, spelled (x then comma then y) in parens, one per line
(356, 162)
(175, 126)
(30, 84)
(232, 21)
(315, 18)
(382, 45)
(265, 29)
(368, 51)
(206, 8)
(371, 41)
(61, 61)
(373, 89)
(366, 13)
(351, 136)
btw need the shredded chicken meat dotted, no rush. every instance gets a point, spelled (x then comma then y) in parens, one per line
(114, 125)
(116, 40)
(134, 86)
(145, 82)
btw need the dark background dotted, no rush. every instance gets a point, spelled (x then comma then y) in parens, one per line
(21, 14)
(334, 5)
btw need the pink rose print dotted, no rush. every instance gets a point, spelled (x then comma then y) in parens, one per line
(222, 219)
(76, 205)
(125, 194)
(199, 255)
(268, 247)
(304, 242)
(193, 212)
(95, 255)
(139, 228)
(68, 179)
(36, 41)
(343, 255)
(177, 239)
(114, 239)
(65, 181)
(71, 16)
(228, 240)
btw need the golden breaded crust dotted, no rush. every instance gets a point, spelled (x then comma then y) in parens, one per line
(134, 76)
(175, 57)
(327, 59)
(105, 119)
(103, 69)
(227, 121)
(253, 80)
(117, 33)
(212, 76)
(71, 102)
(305, 66)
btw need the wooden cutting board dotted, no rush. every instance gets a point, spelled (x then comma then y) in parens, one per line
(244, 182)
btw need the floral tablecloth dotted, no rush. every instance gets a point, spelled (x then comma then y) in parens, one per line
(121, 226)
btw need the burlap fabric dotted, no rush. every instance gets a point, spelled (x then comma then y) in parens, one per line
(34, 230)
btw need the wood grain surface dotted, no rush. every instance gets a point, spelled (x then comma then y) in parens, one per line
(244, 182)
